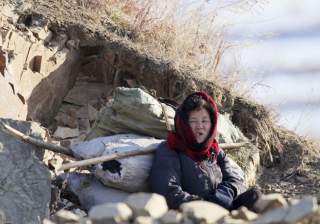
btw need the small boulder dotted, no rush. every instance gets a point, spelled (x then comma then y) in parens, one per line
(203, 211)
(65, 216)
(145, 220)
(110, 213)
(2, 217)
(146, 204)
(270, 201)
(244, 214)
(64, 132)
(171, 217)
(292, 214)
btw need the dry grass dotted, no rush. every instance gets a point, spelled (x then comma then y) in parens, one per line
(184, 34)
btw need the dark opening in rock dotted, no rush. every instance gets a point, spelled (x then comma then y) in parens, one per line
(12, 87)
(35, 63)
(2, 62)
(21, 98)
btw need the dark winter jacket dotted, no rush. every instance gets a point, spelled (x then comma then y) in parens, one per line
(180, 179)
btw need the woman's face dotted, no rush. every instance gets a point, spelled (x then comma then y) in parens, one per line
(200, 123)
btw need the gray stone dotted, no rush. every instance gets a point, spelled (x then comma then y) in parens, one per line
(145, 204)
(292, 214)
(65, 216)
(25, 182)
(171, 217)
(187, 220)
(110, 213)
(305, 207)
(72, 44)
(2, 217)
(65, 132)
(89, 191)
(8, 11)
(273, 216)
(41, 33)
(84, 125)
(244, 213)
(92, 113)
(46, 221)
(230, 220)
(227, 131)
(203, 211)
(41, 94)
(145, 220)
(84, 93)
(67, 119)
(270, 201)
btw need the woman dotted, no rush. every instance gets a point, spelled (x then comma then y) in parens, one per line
(191, 166)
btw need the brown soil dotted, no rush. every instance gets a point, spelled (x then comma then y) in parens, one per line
(297, 174)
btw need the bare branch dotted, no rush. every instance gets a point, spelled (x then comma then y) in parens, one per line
(41, 144)
(142, 151)
(66, 151)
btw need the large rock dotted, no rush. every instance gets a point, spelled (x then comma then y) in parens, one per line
(65, 216)
(145, 220)
(306, 207)
(145, 204)
(25, 182)
(111, 213)
(171, 217)
(270, 201)
(244, 213)
(35, 78)
(88, 191)
(203, 211)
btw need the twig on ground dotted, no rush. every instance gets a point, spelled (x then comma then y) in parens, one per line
(41, 144)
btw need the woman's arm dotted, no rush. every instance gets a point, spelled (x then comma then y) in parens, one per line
(232, 174)
(231, 184)
(165, 177)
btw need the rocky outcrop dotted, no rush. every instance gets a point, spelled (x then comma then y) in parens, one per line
(37, 69)
(25, 190)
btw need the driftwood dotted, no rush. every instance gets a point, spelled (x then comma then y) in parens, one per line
(19, 135)
(142, 151)
(66, 151)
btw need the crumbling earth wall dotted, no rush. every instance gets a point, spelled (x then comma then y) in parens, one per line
(37, 69)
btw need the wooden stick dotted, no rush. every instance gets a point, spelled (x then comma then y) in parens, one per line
(121, 155)
(66, 151)
(19, 135)
(228, 146)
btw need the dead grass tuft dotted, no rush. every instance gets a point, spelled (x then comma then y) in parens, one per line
(186, 34)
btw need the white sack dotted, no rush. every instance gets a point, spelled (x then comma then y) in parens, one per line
(90, 192)
(133, 172)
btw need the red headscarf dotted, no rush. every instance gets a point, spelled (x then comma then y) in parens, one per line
(183, 139)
